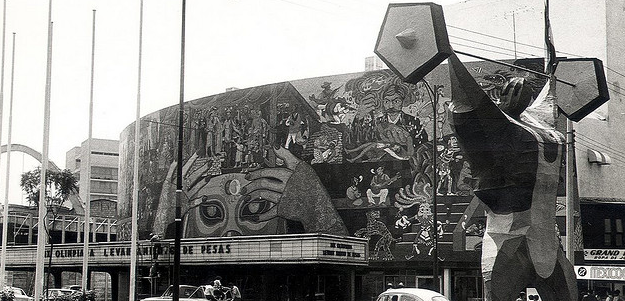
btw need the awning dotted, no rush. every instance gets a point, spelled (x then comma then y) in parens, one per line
(598, 157)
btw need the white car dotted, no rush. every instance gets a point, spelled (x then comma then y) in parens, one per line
(187, 293)
(19, 294)
(411, 294)
(54, 293)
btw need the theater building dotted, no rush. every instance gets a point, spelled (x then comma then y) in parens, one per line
(346, 155)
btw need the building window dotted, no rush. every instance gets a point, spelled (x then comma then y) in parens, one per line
(607, 232)
(105, 173)
(103, 187)
(618, 235)
(613, 232)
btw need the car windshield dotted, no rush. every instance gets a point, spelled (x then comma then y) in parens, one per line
(57, 292)
(198, 293)
(185, 291)
(18, 291)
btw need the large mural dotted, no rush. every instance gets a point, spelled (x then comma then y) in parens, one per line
(347, 154)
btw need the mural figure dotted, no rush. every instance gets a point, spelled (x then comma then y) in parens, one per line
(516, 155)
(212, 124)
(449, 158)
(396, 125)
(352, 192)
(379, 187)
(240, 150)
(382, 250)
(424, 238)
(326, 96)
(200, 123)
(376, 151)
(257, 134)
(297, 128)
(465, 183)
(324, 151)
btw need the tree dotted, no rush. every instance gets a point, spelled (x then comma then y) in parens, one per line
(59, 186)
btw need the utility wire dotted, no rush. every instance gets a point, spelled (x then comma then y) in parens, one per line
(528, 45)
(489, 45)
(600, 144)
(483, 49)
(590, 145)
(511, 50)
(612, 158)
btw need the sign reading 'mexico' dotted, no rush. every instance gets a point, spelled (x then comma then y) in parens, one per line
(600, 272)
(604, 254)
(304, 248)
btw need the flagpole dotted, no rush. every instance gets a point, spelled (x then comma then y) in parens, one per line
(572, 194)
(135, 177)
(41, 234)
(178, 218)
(5, 211)
(87, 228)
(5, 220)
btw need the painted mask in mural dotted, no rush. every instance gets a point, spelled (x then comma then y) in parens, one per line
(218, 209)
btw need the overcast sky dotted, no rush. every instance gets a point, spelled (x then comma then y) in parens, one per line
(229, 43)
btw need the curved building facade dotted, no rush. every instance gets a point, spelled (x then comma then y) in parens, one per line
(349, 155)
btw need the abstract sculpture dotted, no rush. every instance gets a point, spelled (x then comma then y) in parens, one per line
(516, 155)
(514, 150)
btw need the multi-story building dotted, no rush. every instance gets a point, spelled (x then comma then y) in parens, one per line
(104, 174)
(374, 63)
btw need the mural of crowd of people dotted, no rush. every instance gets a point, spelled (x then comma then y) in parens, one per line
(342, 155)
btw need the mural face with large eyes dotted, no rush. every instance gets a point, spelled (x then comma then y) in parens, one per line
(222, 210)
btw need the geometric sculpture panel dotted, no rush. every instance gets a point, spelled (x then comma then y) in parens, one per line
(413, 39)
(590, 91)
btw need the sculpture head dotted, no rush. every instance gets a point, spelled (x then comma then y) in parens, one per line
(516, 96)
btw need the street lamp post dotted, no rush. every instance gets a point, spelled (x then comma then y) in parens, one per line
(434, 92)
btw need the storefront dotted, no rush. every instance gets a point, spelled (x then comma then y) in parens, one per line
(603, 271)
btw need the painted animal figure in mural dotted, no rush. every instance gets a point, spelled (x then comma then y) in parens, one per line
(516, 154)
(375, 227)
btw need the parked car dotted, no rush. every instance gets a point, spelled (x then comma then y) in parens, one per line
(19, 294)
(75, 287)
(52, 294)
(187, 293)
(411, 294)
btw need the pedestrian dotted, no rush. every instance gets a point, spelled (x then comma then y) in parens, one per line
(234, 290)
(589, 296)
(610, 296)
(616, 296)
(400, 285)
(521, 296)
(389, 286)
(208, 291)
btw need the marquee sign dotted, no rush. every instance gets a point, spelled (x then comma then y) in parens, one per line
(301, 248)
(604, 254)
(600, 272)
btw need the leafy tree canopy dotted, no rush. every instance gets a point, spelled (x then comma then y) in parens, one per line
(59, 186)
